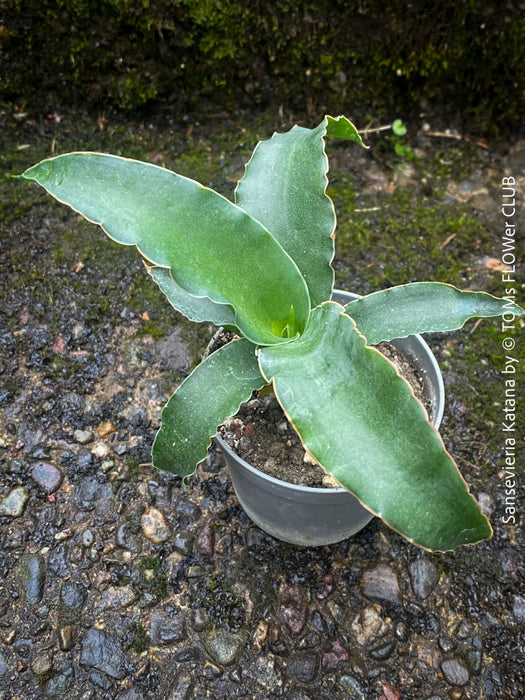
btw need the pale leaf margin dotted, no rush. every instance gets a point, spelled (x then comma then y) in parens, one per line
(284, 187)
(404, 476)
(422, 307)
(213, 392)
(174, 222)
(198, 309)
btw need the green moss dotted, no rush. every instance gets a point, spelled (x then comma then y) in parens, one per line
(62, 365)
(140, 639)
(133, 466)
(152, 580)
(222, 604)
(129, 54)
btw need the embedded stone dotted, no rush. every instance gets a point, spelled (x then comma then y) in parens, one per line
(518, 609)
(368, 625)
(380, 583)
(424, 577)
(71, 596)
(166, 628)
(154, 526)
(223, 646)
(83, 437)
(47, 476)
(303, 667)
(105, 429)
(205, 540)
(31, 577)
(293, 609)
(14, 503)
(455, 673)
(104, 653)
(90, 493)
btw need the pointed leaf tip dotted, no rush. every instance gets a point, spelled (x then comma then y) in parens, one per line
(361, 422)
(210, 394)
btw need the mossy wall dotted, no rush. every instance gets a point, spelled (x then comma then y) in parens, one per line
(462, 59)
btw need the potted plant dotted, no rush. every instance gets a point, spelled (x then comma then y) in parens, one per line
(262, 267)
(313, 515)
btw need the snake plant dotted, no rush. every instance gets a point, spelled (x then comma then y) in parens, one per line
(262, 266)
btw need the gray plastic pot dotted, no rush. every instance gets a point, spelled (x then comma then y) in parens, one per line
(312, 516)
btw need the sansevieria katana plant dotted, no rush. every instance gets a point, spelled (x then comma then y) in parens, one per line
(262, 266)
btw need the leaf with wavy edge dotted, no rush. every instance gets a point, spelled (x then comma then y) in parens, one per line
(342, 128)
(362, 423)
(199, 309)
(212, 247)
(422, 307)
(210, 394)
(284, 187)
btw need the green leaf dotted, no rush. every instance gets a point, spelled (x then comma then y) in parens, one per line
(342, 128)
(284, 187)
(212, 247)
(212, 392)
(199, 309)
(422, 307)
(361, 422)
(398, 127)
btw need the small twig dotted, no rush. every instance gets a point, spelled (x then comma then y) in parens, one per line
(377, 128)
(360, 211)
(457, 137)
(475, 325)
(447, 241)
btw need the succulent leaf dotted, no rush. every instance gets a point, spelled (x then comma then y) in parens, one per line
(422, 307)
(213, 248)
(362, 423)
(342, 128)
(284, 187)
(199, 309)
(210, 394)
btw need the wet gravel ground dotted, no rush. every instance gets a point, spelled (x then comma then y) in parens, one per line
(117, 581)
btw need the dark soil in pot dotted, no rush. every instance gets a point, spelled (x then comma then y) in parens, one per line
(261, 434)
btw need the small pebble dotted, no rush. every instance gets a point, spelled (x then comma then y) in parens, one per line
(31, 577)
(352, 686)
(48, 476)
(100, 449)
(87, 538)
(66, 637)
(424, 577)
(446, 644)
(205, 540)
(154, 526)
(303, 667)
(14, 503)
(383, 651)
(166, 628)
(71, 596)
(104, 653)
(260, 636)
(518, 609)
(105, 429)
(465, 629)
(199, 619)
(293, 609)
(128, 538)
(223, 646)
(182, 542)
(455, 673)
(380, 583)
(334, 655)
(83, 437)
(4, 666)
(42, 664)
